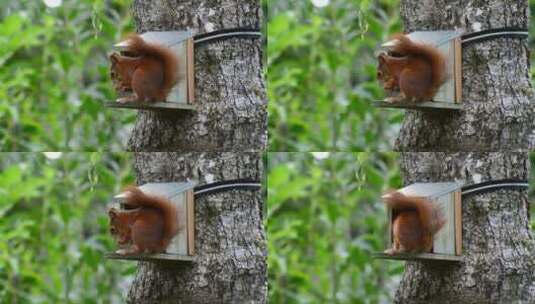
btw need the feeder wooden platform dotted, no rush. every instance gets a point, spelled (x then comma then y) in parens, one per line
(150, 257)
(151, 106)
(426, 105)
(419, 257)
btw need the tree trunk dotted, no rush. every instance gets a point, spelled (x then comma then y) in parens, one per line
(498, 249)
(497, 95)
(229, 88)
(230, 248)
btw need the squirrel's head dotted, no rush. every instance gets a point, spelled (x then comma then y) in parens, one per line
(119, 226)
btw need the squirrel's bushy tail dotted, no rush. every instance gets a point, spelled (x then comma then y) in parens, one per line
(136, 197)
(406, 47)
(137, 45)
(431, 217)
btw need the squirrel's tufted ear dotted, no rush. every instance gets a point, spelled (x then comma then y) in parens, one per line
(112, 213)
(381, 58)
(113, 57)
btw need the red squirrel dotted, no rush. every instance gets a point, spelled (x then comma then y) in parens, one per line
(148, 228)
(416, 69)
(150, 73)
(415, 222)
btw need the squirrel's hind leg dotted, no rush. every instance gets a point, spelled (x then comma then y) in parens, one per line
(134, 249)
(396, 248)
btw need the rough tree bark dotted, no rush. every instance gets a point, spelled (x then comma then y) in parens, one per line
(229, 87)
(498, 247)
(497, 97)
(230, 249)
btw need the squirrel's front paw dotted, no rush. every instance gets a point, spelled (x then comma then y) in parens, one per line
(394, 99)
(390, 251)
(122, 251)
(126, 99)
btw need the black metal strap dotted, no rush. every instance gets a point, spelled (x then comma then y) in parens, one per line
(226, 34)
(237, 184)
(493, 185)
(495, 33)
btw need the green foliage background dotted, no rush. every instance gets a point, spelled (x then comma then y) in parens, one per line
(54, 76)
(54, 228)
(532, 40)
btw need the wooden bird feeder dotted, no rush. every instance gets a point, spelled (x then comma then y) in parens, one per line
(447, 245)
(449, 95)
(181, 247)
(182, 95)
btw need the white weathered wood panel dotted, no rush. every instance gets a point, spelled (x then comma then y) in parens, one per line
(444, 242)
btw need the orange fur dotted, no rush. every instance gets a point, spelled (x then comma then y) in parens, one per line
(416, 221)
(417, 69)
(150, 227)
(151, 74)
